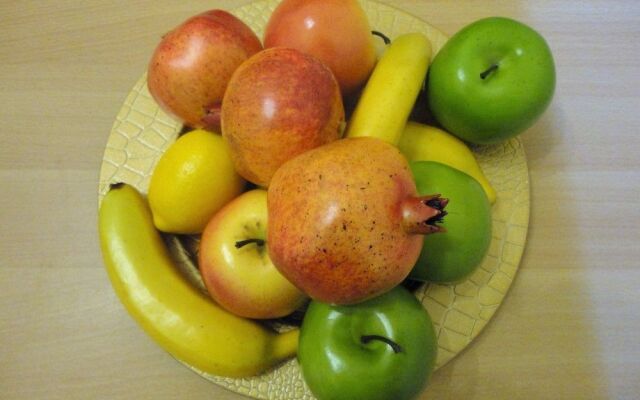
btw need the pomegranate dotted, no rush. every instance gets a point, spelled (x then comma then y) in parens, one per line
(345, 222)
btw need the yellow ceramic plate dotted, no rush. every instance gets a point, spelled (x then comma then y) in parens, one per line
(142, 132)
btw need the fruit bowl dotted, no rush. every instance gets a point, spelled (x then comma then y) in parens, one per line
(142, 132)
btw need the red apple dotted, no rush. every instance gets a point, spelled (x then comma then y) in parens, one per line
(190, 68)
(279, 103)
(337, 32)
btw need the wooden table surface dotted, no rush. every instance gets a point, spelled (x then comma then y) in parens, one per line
(568, 328)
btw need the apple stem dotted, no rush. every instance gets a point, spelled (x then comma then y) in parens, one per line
(488, 71)
(242, 243)
(211, 118)
(382, 35)
(394, 346)
(422, 214)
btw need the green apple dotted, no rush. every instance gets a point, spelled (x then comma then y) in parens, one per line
(235, 264)
(453, 255)
(384, 348)
(491, 80)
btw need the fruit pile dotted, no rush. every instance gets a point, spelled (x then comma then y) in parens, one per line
(313, 189)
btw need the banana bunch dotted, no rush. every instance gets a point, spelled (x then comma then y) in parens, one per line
(392, 89)
(183, 321)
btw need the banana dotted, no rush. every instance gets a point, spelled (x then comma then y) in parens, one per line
(391, 91)
(426, 143)
(181, 319)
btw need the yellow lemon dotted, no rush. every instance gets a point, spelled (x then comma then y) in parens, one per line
(426, 143)
(193, 179)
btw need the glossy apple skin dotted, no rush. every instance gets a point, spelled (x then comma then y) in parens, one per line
(278, 104)
(337, 32)
(244, 280)
(336, 220)
(508, 100)
(337, 365)
(191, 66)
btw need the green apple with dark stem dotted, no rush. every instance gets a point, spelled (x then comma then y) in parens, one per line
(491, 80)
(235, 264)
(381, 349)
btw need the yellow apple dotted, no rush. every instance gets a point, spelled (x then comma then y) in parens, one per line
(235, 264)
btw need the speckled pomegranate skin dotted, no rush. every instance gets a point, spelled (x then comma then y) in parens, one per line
(336, 220)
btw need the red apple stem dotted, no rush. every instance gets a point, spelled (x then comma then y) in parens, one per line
(394, 346)
(421, 215)
(488, 71)
(211, 118)
(383, 36)
(242, 243)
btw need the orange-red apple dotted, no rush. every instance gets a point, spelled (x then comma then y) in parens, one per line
(236, 267)
(191, 66)
(278, 104)
(337, 32)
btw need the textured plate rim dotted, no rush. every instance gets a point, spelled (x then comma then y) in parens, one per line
(484, 154)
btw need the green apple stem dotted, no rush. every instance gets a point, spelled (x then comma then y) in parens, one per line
(421, 215)
(488, 71)
(382, 35)
(242, 243)
(395, 346)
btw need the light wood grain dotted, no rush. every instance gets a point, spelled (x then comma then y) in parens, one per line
(567, 329)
